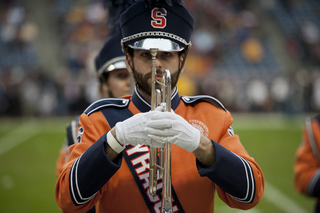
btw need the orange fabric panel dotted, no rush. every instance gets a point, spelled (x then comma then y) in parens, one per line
(305, 163)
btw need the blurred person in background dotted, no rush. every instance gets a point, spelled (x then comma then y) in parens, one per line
(109, 166)
(113, 74)
(114, 78)
(114, 82)
(316, 92)
(307, 162)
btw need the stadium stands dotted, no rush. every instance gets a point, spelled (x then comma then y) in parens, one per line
(238, 49)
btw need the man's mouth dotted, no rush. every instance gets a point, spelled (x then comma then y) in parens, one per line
(159, 77)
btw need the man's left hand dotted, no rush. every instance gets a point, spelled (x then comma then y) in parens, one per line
(172, 128)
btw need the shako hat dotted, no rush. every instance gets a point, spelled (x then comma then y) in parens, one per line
(163, 24)
(111, 56)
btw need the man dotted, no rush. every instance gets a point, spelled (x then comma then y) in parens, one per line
(109, 166)
(307, 163)
(114, 82)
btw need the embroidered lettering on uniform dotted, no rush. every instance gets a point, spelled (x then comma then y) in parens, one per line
(230, 131)
(158, 18)
(143, 160)
(80, 132)
(137, 159)
(200, 126)
(145, 177)
(136, 149)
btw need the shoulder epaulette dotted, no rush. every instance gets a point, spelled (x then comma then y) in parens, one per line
(107, 102)
(206, 98)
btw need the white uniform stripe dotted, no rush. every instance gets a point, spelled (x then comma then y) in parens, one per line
(313, 182)
(312, 141)
(124, 101)
(136, 91)
(250, 182)
(74, 125)
(74, 169)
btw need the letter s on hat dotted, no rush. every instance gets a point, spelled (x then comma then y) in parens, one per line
(158, 18)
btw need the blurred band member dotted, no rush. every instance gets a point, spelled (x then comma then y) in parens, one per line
(114, 82)
(307, 162)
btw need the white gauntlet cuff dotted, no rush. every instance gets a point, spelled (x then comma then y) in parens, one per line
(114, 144)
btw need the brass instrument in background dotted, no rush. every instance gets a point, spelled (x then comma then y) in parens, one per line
(160, 158)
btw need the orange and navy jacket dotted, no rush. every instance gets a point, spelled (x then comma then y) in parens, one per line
(307, 162)
(89, 178)
(71, 138)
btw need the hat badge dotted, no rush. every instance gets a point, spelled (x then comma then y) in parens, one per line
(158, 18)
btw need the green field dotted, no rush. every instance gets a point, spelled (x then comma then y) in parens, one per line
(29, 149)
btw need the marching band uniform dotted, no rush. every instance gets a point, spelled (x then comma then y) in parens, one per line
(90, 178)
(121, 186)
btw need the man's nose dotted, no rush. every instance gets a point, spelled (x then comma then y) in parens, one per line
(158, 64)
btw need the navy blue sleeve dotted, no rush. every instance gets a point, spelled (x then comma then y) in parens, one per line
(314, 185)
(316, 190)
(231, 173)
(93, 161)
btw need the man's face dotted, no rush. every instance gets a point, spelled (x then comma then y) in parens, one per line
(142, 64)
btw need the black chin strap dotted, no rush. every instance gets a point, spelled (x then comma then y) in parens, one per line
(183, 62)
(185, 57)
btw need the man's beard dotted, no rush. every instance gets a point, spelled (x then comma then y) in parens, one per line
(142, 80)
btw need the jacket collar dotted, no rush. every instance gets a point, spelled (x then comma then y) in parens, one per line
(145, 106)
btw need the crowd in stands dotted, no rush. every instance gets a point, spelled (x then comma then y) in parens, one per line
(231, 57)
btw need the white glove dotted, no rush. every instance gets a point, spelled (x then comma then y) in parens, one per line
(132, 131)
(172, 128)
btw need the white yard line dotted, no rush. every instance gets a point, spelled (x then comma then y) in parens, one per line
(17, 136)
(277, 198)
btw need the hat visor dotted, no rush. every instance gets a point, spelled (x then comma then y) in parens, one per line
(113, 64)
(116, 66)
(160, 44)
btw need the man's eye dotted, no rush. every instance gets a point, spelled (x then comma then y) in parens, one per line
(166, 54)
(145, 54)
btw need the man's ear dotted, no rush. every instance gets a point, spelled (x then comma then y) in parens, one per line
(128, 62)
(182, 61)
(182, 69)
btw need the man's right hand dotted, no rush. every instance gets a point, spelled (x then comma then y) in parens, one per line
(132, 131)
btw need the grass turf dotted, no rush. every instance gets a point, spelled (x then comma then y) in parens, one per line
(27, 174)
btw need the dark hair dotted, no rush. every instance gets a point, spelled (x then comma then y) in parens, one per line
(103, 78)
(130, 51)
